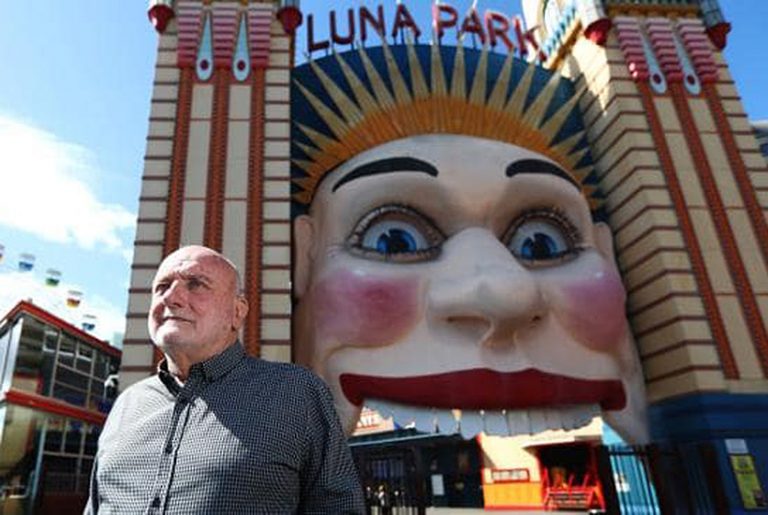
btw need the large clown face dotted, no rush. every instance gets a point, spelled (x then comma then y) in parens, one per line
(441, 273)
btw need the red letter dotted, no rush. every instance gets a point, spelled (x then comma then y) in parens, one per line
(311, 45)
(522, 37)
(377, 23)
(491, 17)
(472, 24)
(404, 19)
(351, 36)
(438, 23)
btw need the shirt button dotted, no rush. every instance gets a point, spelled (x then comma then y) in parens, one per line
(156, 502)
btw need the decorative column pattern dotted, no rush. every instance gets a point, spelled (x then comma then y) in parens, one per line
(159, 217)
(254, 248)
(673, 323)
(742, 316)
(275, 302)
(214, 197)
(732, 125)
(216, 169)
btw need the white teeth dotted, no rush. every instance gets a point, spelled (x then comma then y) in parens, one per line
(471, 424)
(552, 418)
(493, 422)
(538, 421)
(407, 415)
(425, 421)
(385, 408)
(445, 421)
(518, 422)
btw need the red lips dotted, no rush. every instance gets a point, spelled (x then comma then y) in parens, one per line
(485, 389)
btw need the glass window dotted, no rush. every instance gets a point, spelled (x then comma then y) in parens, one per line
(6, 332)
(91, 440)
(68, 394)
(71, 378)
(26, 373)
(67, 350)
(50, 343)
(74, 437)
(19, 449)
(102, 365)
(50, 340)
(84, 479)
(96, 396)
(84, 358)
(54, 435)
(551, 16)
(59, 474)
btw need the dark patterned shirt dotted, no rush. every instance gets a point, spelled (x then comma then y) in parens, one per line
(241, 436)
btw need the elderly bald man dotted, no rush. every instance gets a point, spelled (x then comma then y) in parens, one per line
(216, 431)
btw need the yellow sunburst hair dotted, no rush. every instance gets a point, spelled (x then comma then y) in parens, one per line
(347, 103)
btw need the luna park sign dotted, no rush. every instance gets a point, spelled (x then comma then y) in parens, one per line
(489, 28)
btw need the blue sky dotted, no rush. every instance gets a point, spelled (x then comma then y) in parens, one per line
(74, 102)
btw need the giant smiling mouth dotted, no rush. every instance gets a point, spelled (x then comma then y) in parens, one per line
(485, 389)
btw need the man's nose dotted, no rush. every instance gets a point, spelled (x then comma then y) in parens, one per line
(174, 295)
(483, 290)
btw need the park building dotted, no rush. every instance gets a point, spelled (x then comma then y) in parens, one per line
(242, 132)
(58, 383)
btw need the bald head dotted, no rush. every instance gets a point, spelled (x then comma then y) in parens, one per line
(198, 252)
(197, 308)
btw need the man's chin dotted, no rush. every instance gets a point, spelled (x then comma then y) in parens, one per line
(168, 338)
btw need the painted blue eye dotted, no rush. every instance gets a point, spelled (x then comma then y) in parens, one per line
(537, 240)
(395, 233)
(393, 237)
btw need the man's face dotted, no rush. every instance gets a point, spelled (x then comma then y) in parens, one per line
(195, 307)
(441, 273)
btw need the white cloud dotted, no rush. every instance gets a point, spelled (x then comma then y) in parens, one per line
(16, 286)
(46, 190)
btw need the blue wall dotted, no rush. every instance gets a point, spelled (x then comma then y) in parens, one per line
(715, 417)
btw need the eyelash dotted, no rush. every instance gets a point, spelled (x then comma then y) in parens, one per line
(553, 213)
(354, 242)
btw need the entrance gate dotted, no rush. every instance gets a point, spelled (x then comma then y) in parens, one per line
(661, 479)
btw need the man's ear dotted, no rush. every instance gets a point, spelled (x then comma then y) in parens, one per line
(604, 241)
(241, 311)
(303, 253)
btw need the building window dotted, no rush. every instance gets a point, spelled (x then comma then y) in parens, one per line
(551, 16)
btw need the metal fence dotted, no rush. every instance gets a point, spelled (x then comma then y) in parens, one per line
(661, 479)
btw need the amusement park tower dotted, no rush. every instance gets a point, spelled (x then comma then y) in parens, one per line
(686, 192)
(684, 185)
(216, 165)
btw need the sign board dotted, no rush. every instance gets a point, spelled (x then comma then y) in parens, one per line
(736, 446)
(355, 25)
(752, 493)
(437, 485)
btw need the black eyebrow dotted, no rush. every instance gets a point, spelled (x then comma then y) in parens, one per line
(392, 164)
(540, 166)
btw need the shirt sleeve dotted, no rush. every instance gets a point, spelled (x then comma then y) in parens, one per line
(113, 420)
(330, 481)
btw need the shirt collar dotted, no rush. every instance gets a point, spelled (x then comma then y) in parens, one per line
(212, 369)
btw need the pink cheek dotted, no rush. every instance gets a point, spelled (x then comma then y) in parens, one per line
(362, 310)
(593, 310)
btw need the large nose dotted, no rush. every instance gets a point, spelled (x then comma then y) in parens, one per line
(174, 295)
(483, 290)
